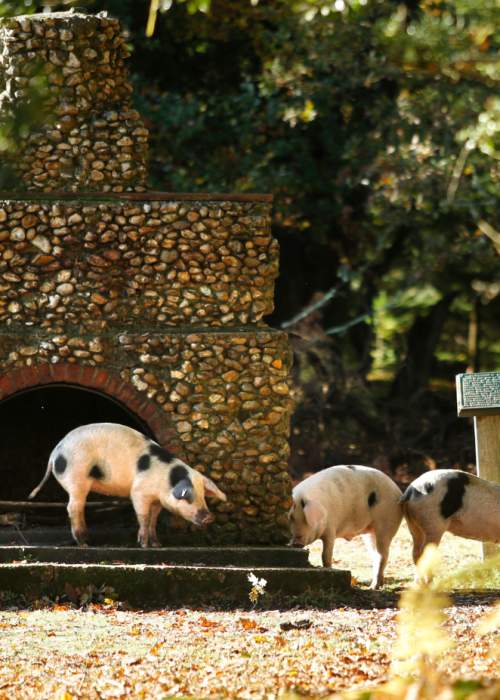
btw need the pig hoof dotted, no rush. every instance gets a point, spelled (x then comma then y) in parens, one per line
(80, 539)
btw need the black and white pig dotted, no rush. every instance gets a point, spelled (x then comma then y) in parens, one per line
(115, 460)
(346, 501)
(449, 500)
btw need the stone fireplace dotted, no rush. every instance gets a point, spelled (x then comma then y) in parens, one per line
(125, 305)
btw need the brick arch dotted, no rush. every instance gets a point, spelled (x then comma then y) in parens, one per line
(91, 378)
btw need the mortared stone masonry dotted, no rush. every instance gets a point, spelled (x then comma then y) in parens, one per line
(155, 300)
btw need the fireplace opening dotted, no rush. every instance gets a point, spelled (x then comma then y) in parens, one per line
(33, 421)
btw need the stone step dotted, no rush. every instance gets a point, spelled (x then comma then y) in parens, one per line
(276, 557)
(148, 585)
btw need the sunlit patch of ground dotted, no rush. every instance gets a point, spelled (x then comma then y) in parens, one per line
(62, 653)
(455, 552)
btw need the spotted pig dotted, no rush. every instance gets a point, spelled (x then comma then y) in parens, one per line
(115, 460)
(346, 501)
(450, 500)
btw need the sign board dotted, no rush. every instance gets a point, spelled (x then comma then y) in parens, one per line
(478, 394)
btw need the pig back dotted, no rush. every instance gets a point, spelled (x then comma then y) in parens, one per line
(353, 496)
(108, 453)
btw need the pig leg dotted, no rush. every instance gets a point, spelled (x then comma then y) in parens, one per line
(76, 512)
(431, 534)
(378, 547)
(142, 506)
(427, 528)
(328, 540)
(419, 538)
(153, 519)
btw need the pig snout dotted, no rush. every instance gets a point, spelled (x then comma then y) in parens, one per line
(203, 518)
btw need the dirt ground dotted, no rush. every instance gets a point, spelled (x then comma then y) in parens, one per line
(103, 652)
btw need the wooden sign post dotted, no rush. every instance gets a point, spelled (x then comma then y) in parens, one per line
(478, 395)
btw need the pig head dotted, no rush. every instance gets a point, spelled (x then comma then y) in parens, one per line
(185, 493)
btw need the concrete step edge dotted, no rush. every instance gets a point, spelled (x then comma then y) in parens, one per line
(210, 556)
(164, 585)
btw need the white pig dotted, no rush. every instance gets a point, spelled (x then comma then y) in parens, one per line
(451, 500)
(346, 501)
(115, 460)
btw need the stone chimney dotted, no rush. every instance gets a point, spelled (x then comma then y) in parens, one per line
(87, 136)
(152, 301)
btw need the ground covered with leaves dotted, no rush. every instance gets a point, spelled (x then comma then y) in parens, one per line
(59, 651)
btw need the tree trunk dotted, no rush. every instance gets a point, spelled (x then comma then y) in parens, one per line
(422, 341)
(473, 358)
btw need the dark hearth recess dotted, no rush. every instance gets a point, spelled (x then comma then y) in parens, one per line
(126, 305)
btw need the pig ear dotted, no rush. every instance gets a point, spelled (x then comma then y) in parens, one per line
(315, 515)
(212, 490)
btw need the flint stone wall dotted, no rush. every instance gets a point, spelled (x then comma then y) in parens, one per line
(120, 263)
(88, 137)
(225, 396)
(168, 297)
(155, 300)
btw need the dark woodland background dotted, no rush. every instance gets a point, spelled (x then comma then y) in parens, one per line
(375, 125)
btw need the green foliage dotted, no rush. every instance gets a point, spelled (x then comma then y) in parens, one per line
(375, 125)
(463, 688)
(165, 5)
(18, 120)
(9, 8)
(422, 635)
(16, 7)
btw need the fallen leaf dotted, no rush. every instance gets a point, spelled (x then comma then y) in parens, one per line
(297, 625)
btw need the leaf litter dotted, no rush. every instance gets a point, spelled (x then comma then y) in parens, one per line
(62, 653)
